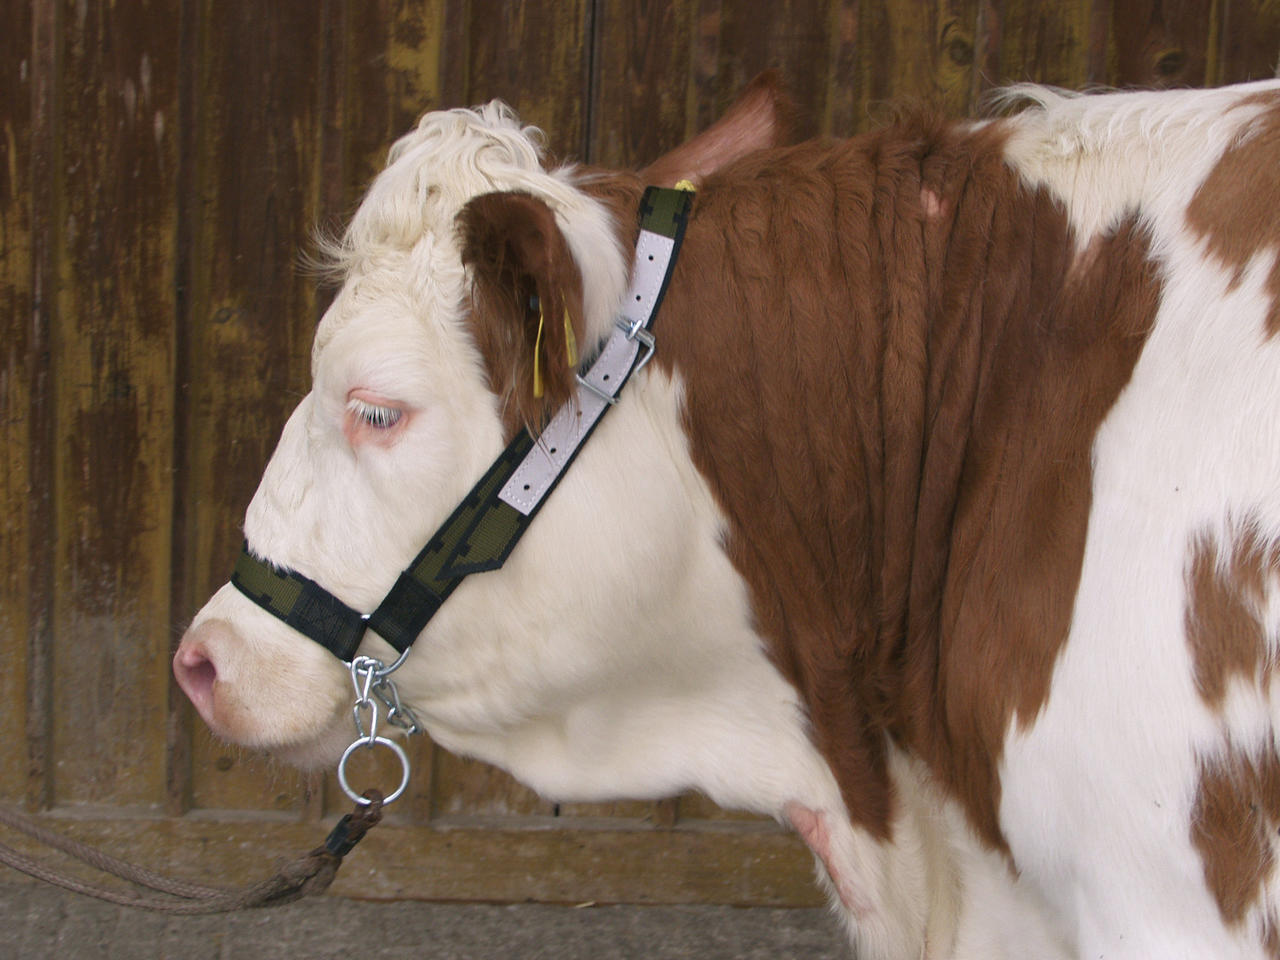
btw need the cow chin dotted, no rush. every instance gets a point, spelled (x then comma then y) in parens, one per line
(323, 751)
(257, 684)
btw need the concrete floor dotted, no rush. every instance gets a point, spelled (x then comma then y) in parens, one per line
(39, 922)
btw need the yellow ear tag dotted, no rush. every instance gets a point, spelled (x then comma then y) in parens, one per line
(570, 341)
(687, 185)
(537, 356)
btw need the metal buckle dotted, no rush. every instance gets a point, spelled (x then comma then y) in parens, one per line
(592, 388)
(636, 331)
(648, 343)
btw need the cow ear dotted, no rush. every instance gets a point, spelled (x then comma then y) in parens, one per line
(761, 117)
(527, 311)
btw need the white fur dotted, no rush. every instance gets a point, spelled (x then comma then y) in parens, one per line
(1105, 156)
(614, 654)
(1191, 448)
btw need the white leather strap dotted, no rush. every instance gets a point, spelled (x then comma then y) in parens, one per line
(573, 422)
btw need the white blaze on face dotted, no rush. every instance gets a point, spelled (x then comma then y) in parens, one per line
(398, 426)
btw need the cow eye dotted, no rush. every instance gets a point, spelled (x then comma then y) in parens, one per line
(373, 415)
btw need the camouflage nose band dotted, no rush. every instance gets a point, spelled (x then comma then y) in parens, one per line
(301, 603)
(481, 532)
(478, 536)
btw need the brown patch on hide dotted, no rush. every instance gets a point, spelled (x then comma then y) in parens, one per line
(894, 403)
(1225, 630)
(760, 118)
(516, 253)
(1058, 343)
(1233, 823)
(1235, 208)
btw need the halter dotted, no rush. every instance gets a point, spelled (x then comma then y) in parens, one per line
(486, 526)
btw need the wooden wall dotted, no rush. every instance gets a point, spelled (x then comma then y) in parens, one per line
(162, 166)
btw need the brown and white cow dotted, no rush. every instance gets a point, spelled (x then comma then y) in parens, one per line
(945, 525)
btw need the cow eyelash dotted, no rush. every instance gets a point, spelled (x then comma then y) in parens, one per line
(380, 418)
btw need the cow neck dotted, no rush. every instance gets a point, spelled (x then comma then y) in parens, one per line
(486, 526)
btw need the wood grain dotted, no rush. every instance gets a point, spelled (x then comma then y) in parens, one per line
(641, 82)
(39, 504)
(17, 358)
(848, 23)
(465, 787)
(1021, 41)
(1162, 43)
(251, 311)
(111, 341)
(1246, 48)
(533, 55)
(790, 35)
(393, 75)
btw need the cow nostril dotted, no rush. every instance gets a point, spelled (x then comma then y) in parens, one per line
(195, 674)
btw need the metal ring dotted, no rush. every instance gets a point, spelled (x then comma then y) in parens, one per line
(362, 742)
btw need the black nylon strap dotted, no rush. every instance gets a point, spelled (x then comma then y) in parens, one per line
(301, 603)
(478, 536)
(665, 212)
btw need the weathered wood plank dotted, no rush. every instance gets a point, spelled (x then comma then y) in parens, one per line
(695, 807)
(533, 55)
(955, 87)
(251, 312)
(921, 50)
(641, 82)
(791, 35)
(45, 46)
(1022, 40)
(535, 860)
(178, 771)
(705, 56)
(466, 787)
(16, 361)
(1249, 41)
(1098, 53)
(112, 344)
(395, 51)
(846, 109)
(1161, 43)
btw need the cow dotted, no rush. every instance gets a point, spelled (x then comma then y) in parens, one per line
(942, 526)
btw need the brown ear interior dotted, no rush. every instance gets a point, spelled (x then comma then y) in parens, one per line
(523, 277)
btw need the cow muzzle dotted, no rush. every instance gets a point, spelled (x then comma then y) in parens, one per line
(256, 684)
(194, 668)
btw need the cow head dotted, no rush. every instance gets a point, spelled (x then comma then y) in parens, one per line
(422, 367)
